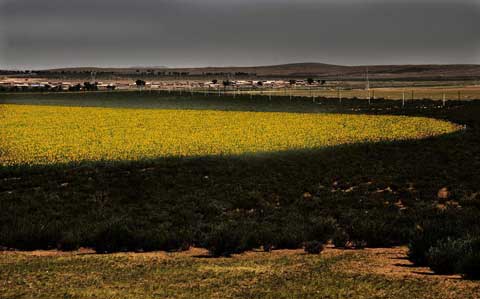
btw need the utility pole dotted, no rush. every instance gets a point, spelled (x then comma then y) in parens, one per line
(339, 88)
(367, 86)
(368, 81)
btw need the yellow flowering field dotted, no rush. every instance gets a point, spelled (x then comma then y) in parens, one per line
(52, 134)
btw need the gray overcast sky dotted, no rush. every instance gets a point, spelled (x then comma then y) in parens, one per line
(180, 33)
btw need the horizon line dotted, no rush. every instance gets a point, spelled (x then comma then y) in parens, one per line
(235, 66)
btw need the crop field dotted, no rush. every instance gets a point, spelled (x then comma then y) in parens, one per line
(50, 135)
(197, 195)
(389, 93)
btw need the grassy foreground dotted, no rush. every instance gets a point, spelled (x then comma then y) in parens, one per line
(371, 273)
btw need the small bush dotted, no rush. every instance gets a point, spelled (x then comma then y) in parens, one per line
(128, 236)
(151, 240)
(115, 237)
(158, 239)
(313, 247)
(226, 239)
(429, 232)
(373, 232)
(69, 241)
(340, 238)
(373, 229)
(358, 244)
(289, 237)
(267, 247)
(456, 256)
(266, 237)
(322, 229)
(469, 266)
(26, 235)
(443, 257)
(418, 248)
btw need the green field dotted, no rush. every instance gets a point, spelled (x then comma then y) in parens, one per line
(350, 195)
(409, 93)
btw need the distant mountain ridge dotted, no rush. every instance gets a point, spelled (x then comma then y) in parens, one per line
(310, 69)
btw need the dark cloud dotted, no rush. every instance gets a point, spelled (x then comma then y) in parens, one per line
(37, 34)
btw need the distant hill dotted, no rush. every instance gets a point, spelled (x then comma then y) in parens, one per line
(312, 69)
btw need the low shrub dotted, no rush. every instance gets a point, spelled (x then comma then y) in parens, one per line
(321, 229)
(418, 248)
(25, 235)
(114, 237)
(431, 230)
(313, 247)
(450, 256)
(155, 239)
(265, 236)
(69, 241)
(376, 227)
(290, 236)
(123, 236)
(469, 264)
(340, 238)
(228, 238)
(443, 257)
(285, 231)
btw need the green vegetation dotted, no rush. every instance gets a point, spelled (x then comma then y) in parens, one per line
(448, 255)
(358, 195)
(444, 256)
(313, 247)
(388, 93)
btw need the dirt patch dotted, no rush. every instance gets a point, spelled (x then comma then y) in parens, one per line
(46, 253)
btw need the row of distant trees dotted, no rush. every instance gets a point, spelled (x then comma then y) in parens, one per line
(86, 86)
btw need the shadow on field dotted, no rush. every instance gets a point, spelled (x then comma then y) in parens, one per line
(166, 100)
(356, 195)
